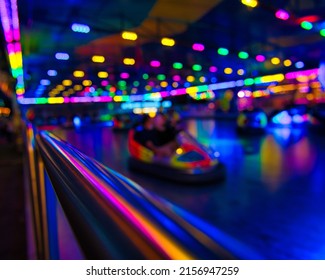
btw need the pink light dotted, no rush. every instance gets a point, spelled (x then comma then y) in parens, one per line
(198, 47)
(155, 63)
(164, 94)
(176, 78)
(151, 83)
(294, 75)
(213, 69)
(104, 83)
(260, 58)
(124, 75)
(282, 14)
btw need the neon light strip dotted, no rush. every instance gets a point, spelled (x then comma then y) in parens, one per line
(157, 96)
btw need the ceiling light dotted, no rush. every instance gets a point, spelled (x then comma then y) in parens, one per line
(129, 35)
(168, 42)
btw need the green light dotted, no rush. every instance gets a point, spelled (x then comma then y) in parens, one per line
(223, 51)
(136, 83)
(306, 25)
(243, 55)
(41, 100)
(161, 77)
(145, 76)
(202, 88)
(177, 65)
(249, 82)
(121, 83)
(197, 67)
(322, 32)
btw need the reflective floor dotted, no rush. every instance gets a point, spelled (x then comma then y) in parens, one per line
(273, 198)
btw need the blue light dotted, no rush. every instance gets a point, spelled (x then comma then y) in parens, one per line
(52, 73)
(45, 82)
(81, 28)
(299, 64)
(77, 121)
(62, 56)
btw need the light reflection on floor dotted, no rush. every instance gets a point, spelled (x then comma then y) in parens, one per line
(273, 198)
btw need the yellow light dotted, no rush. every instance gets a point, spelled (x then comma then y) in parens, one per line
(169, 42)
(310, 97)
(20, 91)
(60, 87)
(87, 83)
(77, 87)
(78, 74)
(287, 63)
(129, 35)
(190, 79)
(179, 151)
(202, 79)
(117, 98)
(65, 93)
(102, 74)
(129, 61)
(302, 79)
(228, 70)
(98, 59)
(137, 111)
(275, 60)
(148, 88)
(191, 90)
(240, 72)
(250, 3)
(152, 114)
(55, 100)
(67, 83)
(163, 84)
(272, 78)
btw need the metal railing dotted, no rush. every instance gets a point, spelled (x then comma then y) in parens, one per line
(111, 216)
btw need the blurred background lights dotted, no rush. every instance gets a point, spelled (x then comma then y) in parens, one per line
(102, 74)
(213, 69)
(98, 59)
(197, 67)
(282, 14)
(223, 51)
(287, 63)
(275, 60)
(243, 55)
(168, 42)
(129, 35)
(322, 32)
(306, 25)
(250, 3)
(177, 65)
(81, 28)
(228, 70)
(129, 61)
(299, 64)
(260, 58)
(52, 73)
(62, 56)
(198, 47)
(155, 63)
(78, 74)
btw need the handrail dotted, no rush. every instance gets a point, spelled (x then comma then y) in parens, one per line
(114, 218)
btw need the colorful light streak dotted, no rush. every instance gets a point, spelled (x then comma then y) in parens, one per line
(10, 25)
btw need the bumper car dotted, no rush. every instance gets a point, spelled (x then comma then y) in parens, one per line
(251, 122)
(191, 163)
(296, 115)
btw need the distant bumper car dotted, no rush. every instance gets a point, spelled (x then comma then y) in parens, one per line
(293, 116)
(191, 162)
(251, 122)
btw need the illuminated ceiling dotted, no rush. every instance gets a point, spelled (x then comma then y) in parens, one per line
(223, 28)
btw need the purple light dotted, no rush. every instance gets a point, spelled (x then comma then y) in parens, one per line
(176, 78)
(260, 58)
(124, 75)
(213, 69)
(294, 75)
(155, 63)
(198, 47)
(282, 14)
